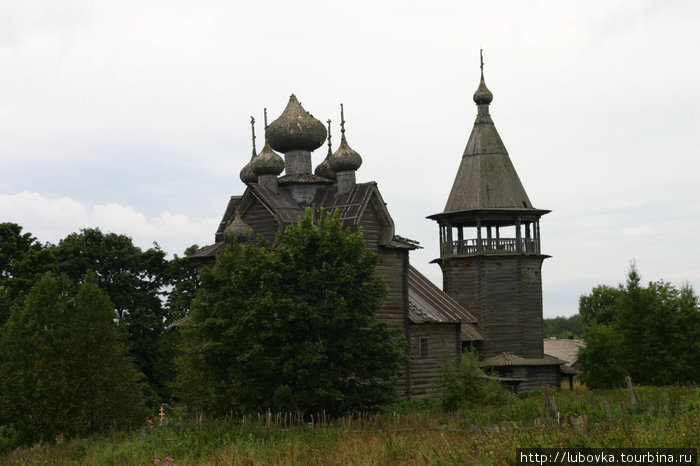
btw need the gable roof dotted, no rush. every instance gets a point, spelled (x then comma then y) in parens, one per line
(564, 349)
(287, 211)
(428, 304)
(510, 359)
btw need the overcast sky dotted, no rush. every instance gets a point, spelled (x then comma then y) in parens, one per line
(134, 116)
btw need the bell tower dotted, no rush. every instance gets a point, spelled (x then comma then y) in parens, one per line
(490, 243)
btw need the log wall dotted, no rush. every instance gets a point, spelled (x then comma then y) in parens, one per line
(505, 294)
(261, 220)
(537, 376)
(442, 348)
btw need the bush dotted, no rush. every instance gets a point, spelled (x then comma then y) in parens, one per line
(467, 385)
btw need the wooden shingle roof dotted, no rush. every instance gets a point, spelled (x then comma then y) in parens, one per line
(431, 304)
(428, 304)
(510, 359)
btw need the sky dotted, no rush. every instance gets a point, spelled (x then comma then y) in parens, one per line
(134, 117)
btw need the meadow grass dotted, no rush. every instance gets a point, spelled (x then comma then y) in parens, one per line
(407, 433)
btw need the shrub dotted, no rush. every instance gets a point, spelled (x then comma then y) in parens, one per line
(467, 385)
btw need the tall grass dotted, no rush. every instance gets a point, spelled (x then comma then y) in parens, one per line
(408, 433)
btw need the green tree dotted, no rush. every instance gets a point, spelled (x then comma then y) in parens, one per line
(64, 368)
(135, 281)
(183, 278)
(22, 261)
(650, 333)
(563, 327)
(292, 327)
(604, 358)
(599, 306)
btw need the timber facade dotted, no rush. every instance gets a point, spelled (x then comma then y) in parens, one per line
(489, 237)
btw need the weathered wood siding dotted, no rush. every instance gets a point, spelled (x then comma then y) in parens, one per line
(505, 294)
(537, 376)
(372, 226)
(393, 268)
(442, 347)
(261, 220)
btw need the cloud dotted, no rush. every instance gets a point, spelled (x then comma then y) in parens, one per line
(51, 219)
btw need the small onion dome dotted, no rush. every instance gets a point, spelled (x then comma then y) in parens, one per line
(324, 169)
(482, 94)
(295, 129)
(344, 159)
(237, 229)
(247, 175)
(267, 162)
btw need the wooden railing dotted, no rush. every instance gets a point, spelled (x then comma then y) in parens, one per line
(492, 245)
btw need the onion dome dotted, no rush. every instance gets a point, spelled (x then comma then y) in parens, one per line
(247, 175)
(237, 229)
(344, 159)
(295, 129)
(324, 169)
(267, 162)
(482, 94)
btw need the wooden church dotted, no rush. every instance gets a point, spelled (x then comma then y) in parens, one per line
(492, 290)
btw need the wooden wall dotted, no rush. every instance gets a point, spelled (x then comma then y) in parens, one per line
(505, 294)
(372, 226)
(537, 376)
(261, 220)
(442, 347)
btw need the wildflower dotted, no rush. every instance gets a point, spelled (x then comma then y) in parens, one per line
(168, 459)
(156, 461)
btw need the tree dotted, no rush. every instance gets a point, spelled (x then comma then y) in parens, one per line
(22, 261)
(292, 327)
(563, 327)
(650, 333)
(599, 306)
(64, 368)
(134, 280)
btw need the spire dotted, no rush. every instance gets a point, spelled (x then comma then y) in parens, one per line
(247, 175)
(252, 128)
(329, 137)
(266, 125)
(482, 96)
(486, 178)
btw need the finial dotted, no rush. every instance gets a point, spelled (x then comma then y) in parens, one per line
(482, 94)
(252, 127)
(265, 112)
(329, 136)
(342, 122)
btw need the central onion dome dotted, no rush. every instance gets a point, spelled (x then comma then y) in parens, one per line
(295, 129)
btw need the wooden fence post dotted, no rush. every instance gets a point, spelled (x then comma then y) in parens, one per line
(633, 398)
